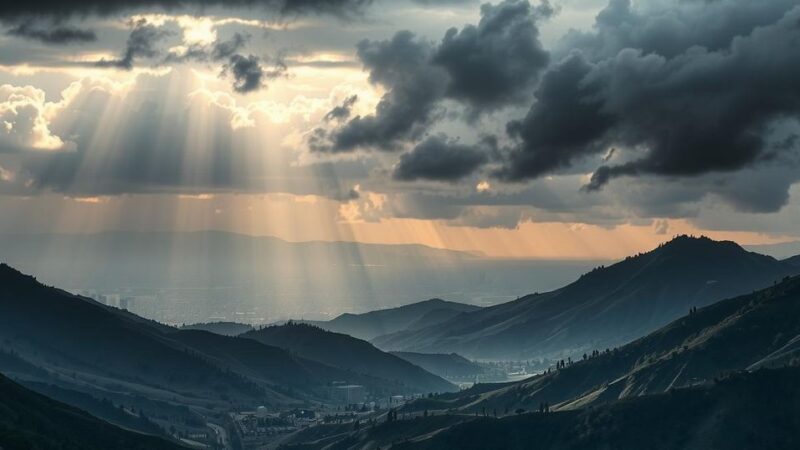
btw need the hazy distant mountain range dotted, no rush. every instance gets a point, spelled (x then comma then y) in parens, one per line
(605, 307)
(209, 276)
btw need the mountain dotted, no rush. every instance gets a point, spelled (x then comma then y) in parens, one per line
(606, 307)
(414, 316)
(794, 261)
(31, 421)
(223, 328)
(749, 411)
(449, 366)
(49, 337)
(349, 353)
(745, 333)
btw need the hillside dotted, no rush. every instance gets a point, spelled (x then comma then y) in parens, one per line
(32, 421)
(743, 411)
(348, 353)
(794, 261)
(452, 366)
(606, 307)
(386, 321)
(743, 333)
(223, 328)
(112, 355)
(73, 335)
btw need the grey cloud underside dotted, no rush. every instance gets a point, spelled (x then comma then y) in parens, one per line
(440, 159)
(341, 112)
(142, 42)
(247, 72)
(52, 33)
(69, 8)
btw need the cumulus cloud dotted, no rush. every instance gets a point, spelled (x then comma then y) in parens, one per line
(675, 107)
(402, 66)
(483, 67)
(440, 159)
(24, 120)
(494, 63)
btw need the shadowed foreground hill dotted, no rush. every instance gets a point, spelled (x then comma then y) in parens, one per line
(742, 411)
(604, 308)
(31, 421)
(348, 353)
(85, 347)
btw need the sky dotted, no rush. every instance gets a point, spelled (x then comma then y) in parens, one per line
(571, 129)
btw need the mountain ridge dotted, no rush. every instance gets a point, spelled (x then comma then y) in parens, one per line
(607, 306)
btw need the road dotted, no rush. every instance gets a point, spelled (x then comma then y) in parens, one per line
(222, 435)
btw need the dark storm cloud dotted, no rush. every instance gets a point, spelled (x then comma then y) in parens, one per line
(66, 8)
(402, 65)
(494, 63)
(681, 113)
(52, 33)
(141, 43)
(440, 159)
(483, 67)
(249, 75)
(341, 112)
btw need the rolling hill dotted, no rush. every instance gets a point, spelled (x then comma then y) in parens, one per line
(606, 307)
(31, 421)
(452, 366)
(223, 328)
(349, 353)
(386, 321)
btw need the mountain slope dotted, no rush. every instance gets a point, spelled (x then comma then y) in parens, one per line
(606, 307)
(386, 321)
(349, 353)
(794, 261)
(452, 366)
(81, 345)
(743, 333)
(223, 328)
(743, 411)
(31, 421)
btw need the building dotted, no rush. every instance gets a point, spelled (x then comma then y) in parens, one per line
(348, 393)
